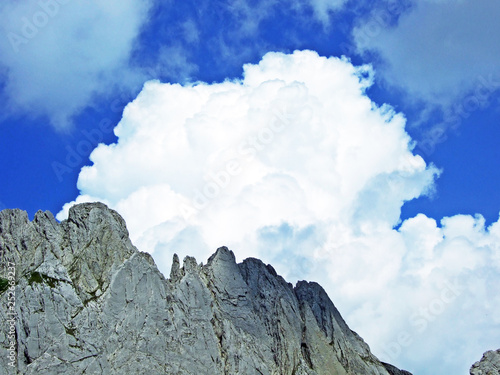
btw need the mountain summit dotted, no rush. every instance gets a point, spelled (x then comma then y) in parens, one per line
(88, 302)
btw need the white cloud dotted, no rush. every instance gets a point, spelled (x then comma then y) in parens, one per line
(57, 54)
(441, 302)
(250, 20)
(442, 53)
(190, 31)
(346, 153)
(250, 14)
(438, 51)
(294, 164)
(322, 8)
(173, 62)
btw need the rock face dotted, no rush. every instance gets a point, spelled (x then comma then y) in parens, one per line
(88, 302)
(488, 365)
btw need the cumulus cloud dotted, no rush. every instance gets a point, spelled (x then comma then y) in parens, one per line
(284, 133)
(440, 299)
(57, 54)
(294, 164)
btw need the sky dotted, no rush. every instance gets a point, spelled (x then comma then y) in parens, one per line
(352, 143)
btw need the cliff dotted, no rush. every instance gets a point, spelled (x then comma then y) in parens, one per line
(488, 365)
(88, 302)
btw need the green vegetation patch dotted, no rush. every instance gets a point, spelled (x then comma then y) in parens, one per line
(37, 277)
(4, 285)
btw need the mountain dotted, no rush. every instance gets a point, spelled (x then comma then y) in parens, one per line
(86, 301)
(488, 365)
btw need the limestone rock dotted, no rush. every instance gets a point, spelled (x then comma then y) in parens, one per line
(488, 365)
(87, 301)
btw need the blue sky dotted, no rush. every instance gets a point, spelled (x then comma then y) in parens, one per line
(417, 199)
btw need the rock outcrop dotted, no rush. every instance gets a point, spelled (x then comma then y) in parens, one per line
(88, 302)
(488, 365)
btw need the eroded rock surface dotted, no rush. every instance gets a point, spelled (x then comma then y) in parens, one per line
(488, 365)
(88, 302)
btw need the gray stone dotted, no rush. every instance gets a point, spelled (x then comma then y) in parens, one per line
(88, 301)
(488, 365)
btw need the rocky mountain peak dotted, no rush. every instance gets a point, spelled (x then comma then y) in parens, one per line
(87, 301)
(488, 365)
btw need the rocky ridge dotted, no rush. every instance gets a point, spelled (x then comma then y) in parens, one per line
(88, 302)
(488, 365)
